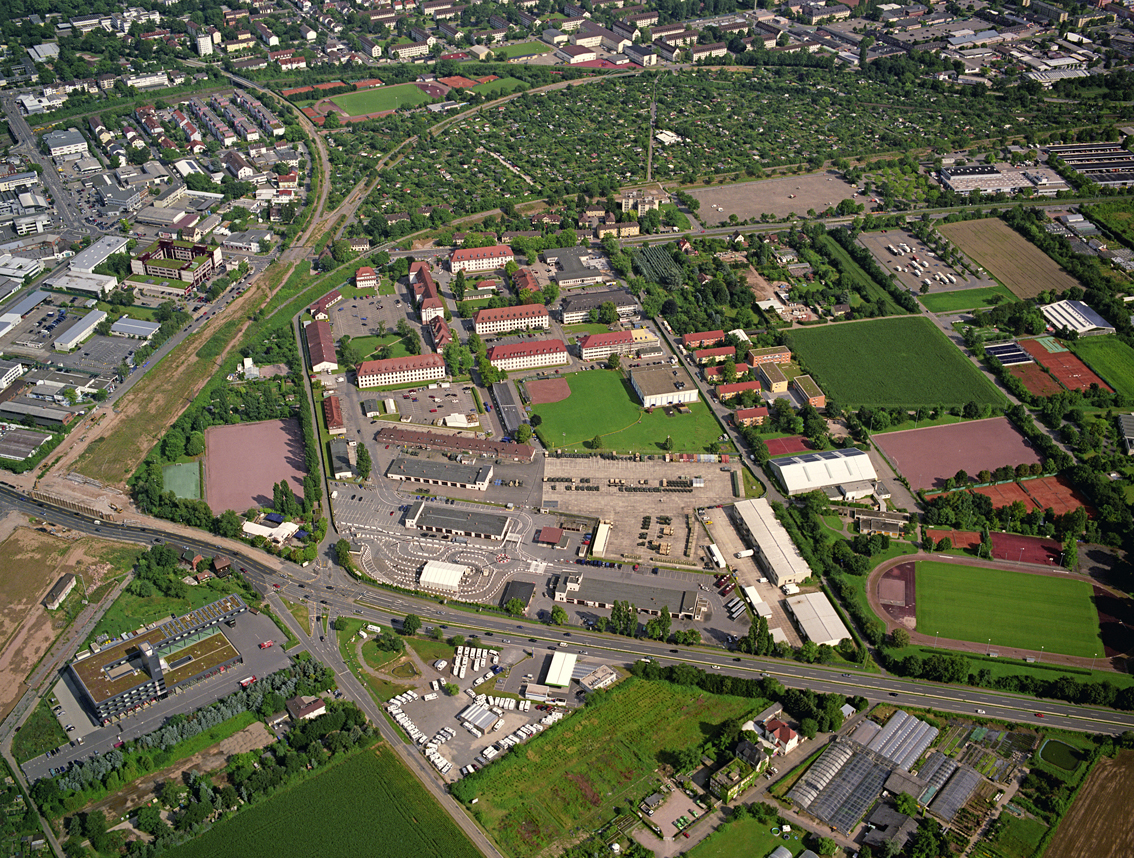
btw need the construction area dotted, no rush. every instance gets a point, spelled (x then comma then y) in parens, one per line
(644, 493)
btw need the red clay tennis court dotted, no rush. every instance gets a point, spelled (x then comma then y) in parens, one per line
(1025, 549)
(1055, 492)
(787, 446)
(1071, 372)
(1034, 379)
(1006, 494)
(960, 539)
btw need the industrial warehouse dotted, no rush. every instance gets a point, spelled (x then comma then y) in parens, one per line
(435, 473)
(682, 604)
(841, 474)
(149, 666)
(451, 521)
(775, 553)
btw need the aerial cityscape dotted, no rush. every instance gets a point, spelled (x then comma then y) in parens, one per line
(540, 428)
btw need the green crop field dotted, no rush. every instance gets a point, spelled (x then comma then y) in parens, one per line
(964, 299)
(901, 361)
(603, 403)
(380, 99)
(370, 798)
(575, 775)
(1015, 609)
(1111, 358)
(746, 838)
(184, 480)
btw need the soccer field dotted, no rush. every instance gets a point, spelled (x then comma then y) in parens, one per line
(903, 361)
(964, 299)
(380, 99)
(603, 403)
(1014, 609)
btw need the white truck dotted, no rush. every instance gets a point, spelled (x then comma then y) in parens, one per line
(748, 553)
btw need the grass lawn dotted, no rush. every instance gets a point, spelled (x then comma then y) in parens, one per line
(587, 328)
(1019, 838)
(1111, 358)
(369, 792)
(603, 403)
(575, 775)
(746, 838)
(430, 650)
(524, 49)
(300, 612)
(917, 366)
(496, 88)
(381, 98)
(40, 733)
(679, 218)
(369, 345)
(131, 612)
(1016, 609)
(964, 299)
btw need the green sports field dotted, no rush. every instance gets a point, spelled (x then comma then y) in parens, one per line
(1111, 358)
(380, 99)
(964, 299)
(183, 480)
(904, 361)
(603, 403)
(524, 49)
(1015, 609)
(499, 87)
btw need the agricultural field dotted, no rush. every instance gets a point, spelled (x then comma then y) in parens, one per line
(380, 99)
(656, 264)
(335, 813)
(1016, 837)
(576, 775)
(1091, 826)
(602, 403)
(1017, 609)
(1008, 256)
(964, 299)
(1110, 358)
(916, 366)
(745, 838)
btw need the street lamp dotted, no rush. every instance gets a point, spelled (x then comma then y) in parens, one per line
(989, 651)
(1041, 652)
(935, 636)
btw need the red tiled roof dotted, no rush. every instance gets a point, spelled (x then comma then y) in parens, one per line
(751, 413)
(333, 411)
(326, 301)
(702, 336)
(720, 351)
(523, 311)
(527, 349)
(400, 364)
(736, 387)
(524, 281)
(320, 343)
(496, 251)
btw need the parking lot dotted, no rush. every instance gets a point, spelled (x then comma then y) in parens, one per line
(98, 354)
(425, 406)
(359, 317)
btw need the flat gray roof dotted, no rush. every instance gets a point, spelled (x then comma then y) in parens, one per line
(134, 328)
(652, 598)
(87, 259)
(26, 304)
(653, 382)
(594, 300)
(411, 467)
(511, 415)
(453, 519)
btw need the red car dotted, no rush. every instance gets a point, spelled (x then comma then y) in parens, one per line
(1039, 714)
(277, 586)
(266, 644)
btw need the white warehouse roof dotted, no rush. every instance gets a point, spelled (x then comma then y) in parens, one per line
(811, 471)
(445, 577)
(561, 670)
(1075, 316)
(817, 618)
(778, 555)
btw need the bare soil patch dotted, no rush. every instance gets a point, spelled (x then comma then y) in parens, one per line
(1008, 256)
(31, 561)
(1091, 826)
(244, 460)
(781, 197)
(543, 391)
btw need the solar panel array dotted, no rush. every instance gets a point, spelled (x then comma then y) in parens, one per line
(1009, 354)
(903, 739)
(200, 617)
(955, 794)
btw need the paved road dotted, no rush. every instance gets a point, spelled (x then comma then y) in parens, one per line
(28, 146)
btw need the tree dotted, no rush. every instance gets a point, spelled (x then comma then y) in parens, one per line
(906, 803)
(613, 361)
(150, 821)
(608, 313)
(667, 444)
(558, 615)
(172, 793)
(350, 353)
(900, 637)
(451, 688)
(515, 607)
(342, 554)
(826, 846)
(596, 442)
(411, 624)
(364, 462)
(523, 433)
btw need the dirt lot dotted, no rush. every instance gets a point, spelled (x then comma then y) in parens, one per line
(31, 561)
(1012, 259)
(142, 790)
(1092, 827)
(118, 443)
(632, 507)
(781, 197)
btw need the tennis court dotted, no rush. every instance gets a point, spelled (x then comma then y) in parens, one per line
(1005, 494)
(1056, 493)
(1026, 549)
(1034, 379)
(183, 480)
(1071, 372)
(960, 539)
(787, 446)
